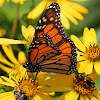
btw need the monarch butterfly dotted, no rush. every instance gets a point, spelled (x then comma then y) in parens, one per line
(51, 50)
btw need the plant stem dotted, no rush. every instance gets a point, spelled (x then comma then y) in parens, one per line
(15, 22)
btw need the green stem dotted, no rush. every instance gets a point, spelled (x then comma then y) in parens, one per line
(15, 23)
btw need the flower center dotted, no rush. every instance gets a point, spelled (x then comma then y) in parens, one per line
(94, 53)
(28, 87)
(83, 84)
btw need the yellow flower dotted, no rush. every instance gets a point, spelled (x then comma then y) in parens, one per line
(16, 65)
(27, 87)
(2, 32)
(1, 2)
(69, 11)
(75, 86)
(88, 51)
(28, 33)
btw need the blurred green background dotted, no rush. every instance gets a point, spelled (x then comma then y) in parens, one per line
(8, 13)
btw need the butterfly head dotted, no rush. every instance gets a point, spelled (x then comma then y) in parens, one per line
(32, 68)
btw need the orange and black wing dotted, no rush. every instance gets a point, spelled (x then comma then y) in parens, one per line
(39, 51)
(50, 26)
(50, 41)
(45, 58)
(63, 64)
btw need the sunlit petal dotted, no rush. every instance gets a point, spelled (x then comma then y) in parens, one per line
(97, 67)
(44, 96)
(7, 79)
(28, 33)
(78, 43)
(37, 10)
(21, 57)
(9, 52)
(77, 7)
(7, 96)
(70, 10)
(5, 61)
(6, 69)
(5, 41)
(86, 66)
(71, 95)
(92, 37)
(65, 21)
(80, 58)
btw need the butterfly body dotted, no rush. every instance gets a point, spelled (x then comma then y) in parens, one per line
(51, 50)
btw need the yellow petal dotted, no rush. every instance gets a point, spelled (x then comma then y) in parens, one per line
(37, 97)
(6, 41)
(93, 36)
(44, 89)
(65, 21)
(71, 11)
(28, 33)
(71, 95)
(5, 61)
(21, 57)
(6, 69)
(8, 80)
(77, 7)
(92, 97)
(9, 52)
(37, 10)
(66, 13)
(57, 80)
(82, 97)
(49, 3)
(8, 84)
(80, 58)
(93, 75)
(2, 31)
(70, 17)
(44, 96)
(86, 66)
(97, 67)
(85, 38)
(7, 96)
(1, 2)
(52, 93)
(78, 43)
(89, 37)
(80, 53)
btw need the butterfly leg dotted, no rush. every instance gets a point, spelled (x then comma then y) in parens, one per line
(36, 76)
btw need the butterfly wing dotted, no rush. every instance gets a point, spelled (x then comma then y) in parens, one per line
(63, 64)
(50, 41)
(50, 26)
(39, 51)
